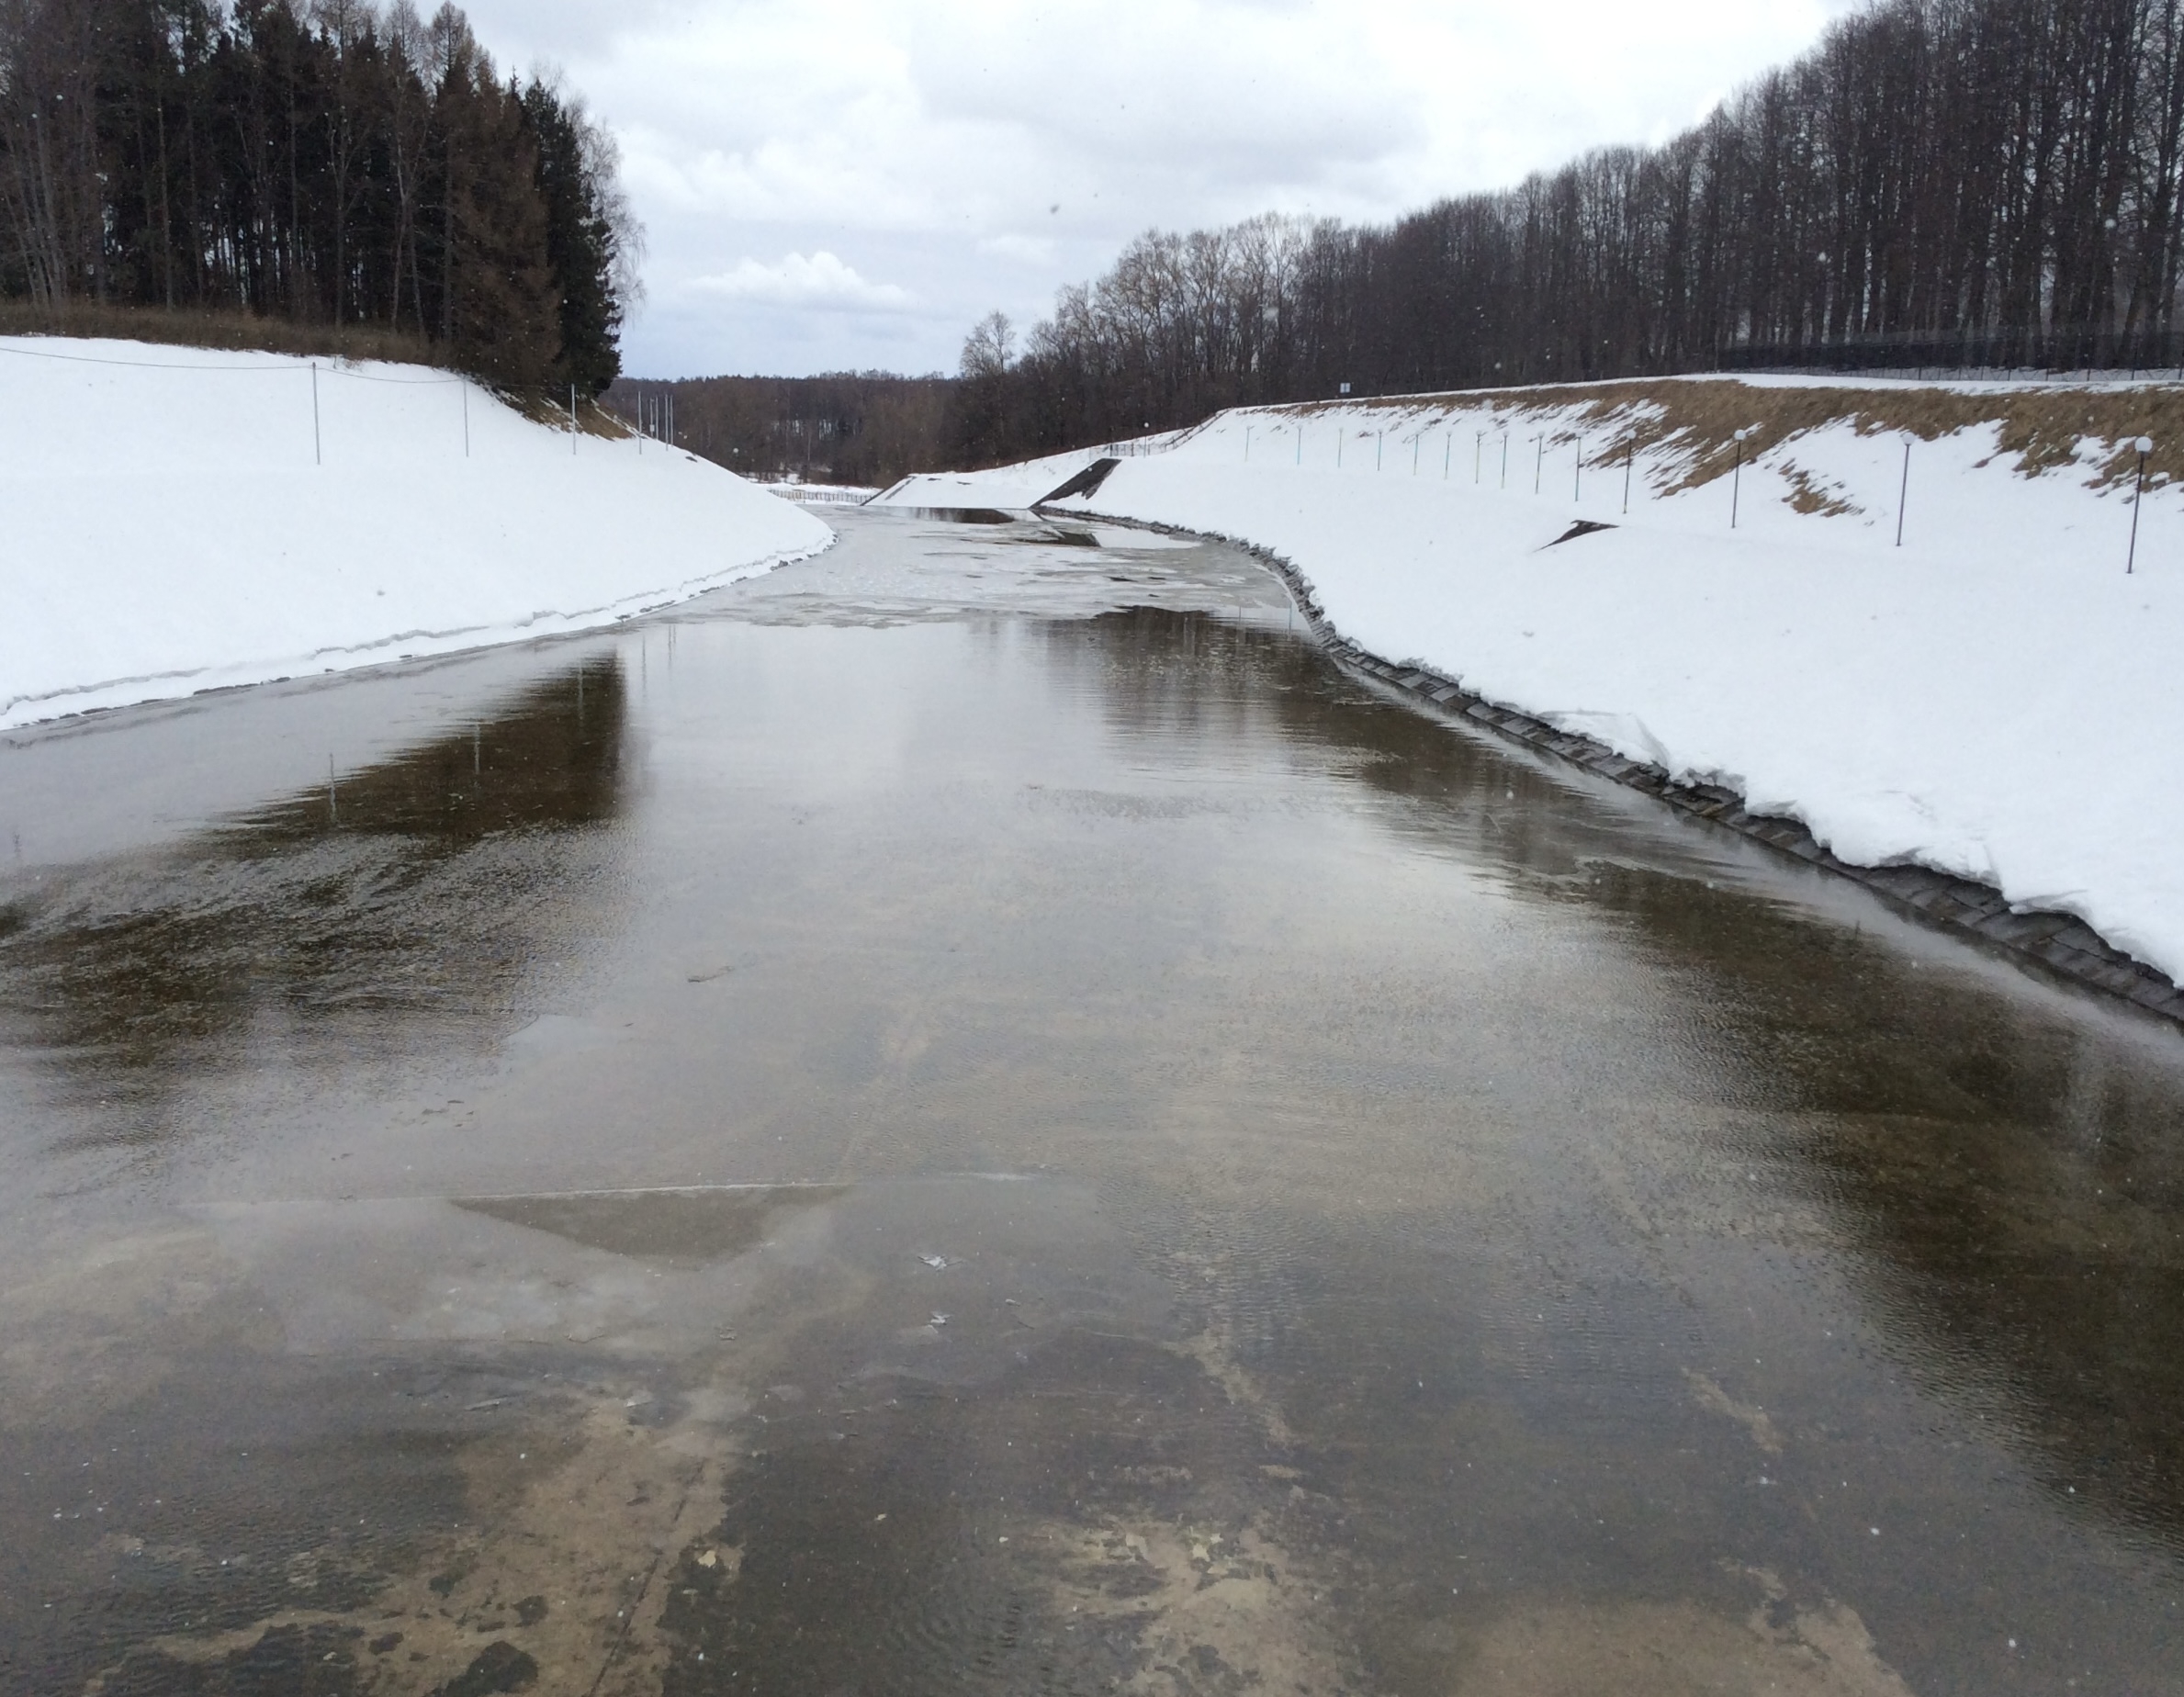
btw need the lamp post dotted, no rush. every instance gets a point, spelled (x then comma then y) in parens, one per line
(1903, 491)
(2144, 445)
(1737, 478)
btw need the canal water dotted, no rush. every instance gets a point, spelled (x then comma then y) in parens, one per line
(975, 1116)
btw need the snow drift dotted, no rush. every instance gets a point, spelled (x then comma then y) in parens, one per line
(1995, 698)
(182, 519)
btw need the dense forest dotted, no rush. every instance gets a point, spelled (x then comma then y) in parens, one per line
(866, 427)
(339, 165)
(1977, 183)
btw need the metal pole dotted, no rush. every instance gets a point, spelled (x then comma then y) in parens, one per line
(1505, 459)
(2145, 447)
(1379, 442)
(1538, 460)
(1737, 480)
(318, 453)
(1903, 492)
(1630, 459)
(1447, 447)
(1577, 478)
(1478, 448)
(1300, 441)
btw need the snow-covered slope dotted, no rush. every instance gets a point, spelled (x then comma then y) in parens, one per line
(174, 523)
(1995, 698)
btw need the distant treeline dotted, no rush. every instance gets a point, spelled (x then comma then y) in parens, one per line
(849, 427)
(1977, 182)
(339, 165)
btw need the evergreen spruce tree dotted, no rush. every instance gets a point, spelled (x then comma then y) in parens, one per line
(581, 242)
(329, 162)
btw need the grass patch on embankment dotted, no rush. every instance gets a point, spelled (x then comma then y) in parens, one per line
(191, 328)
(1684, 428)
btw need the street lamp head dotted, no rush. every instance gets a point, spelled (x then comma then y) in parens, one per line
(2144, 445)
(1743, 435)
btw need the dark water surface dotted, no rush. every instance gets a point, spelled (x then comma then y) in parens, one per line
(974, 1116)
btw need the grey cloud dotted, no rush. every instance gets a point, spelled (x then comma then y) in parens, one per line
(917, 144)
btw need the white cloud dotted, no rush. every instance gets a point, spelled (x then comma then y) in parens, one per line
(799, 280)
(925, 140)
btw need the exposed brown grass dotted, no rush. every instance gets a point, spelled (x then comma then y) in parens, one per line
(1696, 419)
(593, 419)
(1808, 497)
(216, 330)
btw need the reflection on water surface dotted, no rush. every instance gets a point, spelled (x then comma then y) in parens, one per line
(972, 1116)
(345, 917)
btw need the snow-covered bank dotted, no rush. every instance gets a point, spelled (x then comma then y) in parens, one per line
(1995, 698)
(177, 520)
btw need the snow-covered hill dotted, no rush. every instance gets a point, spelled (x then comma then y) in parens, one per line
(181, 518)
(1995, 698)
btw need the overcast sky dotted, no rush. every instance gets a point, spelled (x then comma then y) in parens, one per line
(844, 184)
